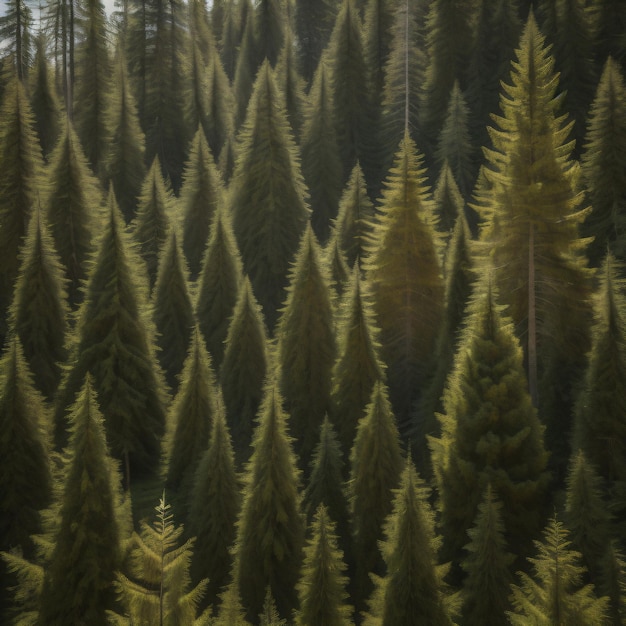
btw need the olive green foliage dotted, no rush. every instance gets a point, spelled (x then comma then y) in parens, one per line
(270, 530)
(337, 267)
(306, 348)
(555, 595)
(290, 84)
(244, 367)
(234, 21)
(38, 314)
(313, 23)
(231, 611)
(88, 545)
(247, 65)
(267, 196)
(114, 342)
(321, 589)
(214, 507)
(269, 614)
(269, 29)
(15, 26)
(449, 204)
(375, 467)
(614, 583)
(604, 168)
(412, 592)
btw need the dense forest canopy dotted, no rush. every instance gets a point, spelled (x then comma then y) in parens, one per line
(312, 312)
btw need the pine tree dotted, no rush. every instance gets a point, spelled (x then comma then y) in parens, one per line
(196, 99)
(269, 615)
(487, 565)
(338, 267)
(244, 367)
(306, 348)
(358, 366)
(38, 314)
(269, 29)
(270, 530)
(267, 195)
(189, 420)
(214, 507)
(235, 19)
(604, 169)
(78, 582)
(173, 311)
(218, 285)
(490, 432)
(15, 26)
(449, 204)
(200, 196)
(231, 612)
(289, 83)
(247, 64)
(313, 23)
(614, 584)
(321, 589)
(72, 204)
(114, 342)
(412, 592)
(375, 468)
(405, 279)
(555, 595)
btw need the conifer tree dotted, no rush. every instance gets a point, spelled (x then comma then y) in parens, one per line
(269, 29)
(214, 507)
(375, 469)
(231, 612)
(38, 314)
(155, 208)
(405, 279)
(358, 366)
(321, 589)
(88, 545)
(614, 584)
(603, 166)
(72, 204)
(114, 342)
(289, 83)
(218, 285)
(490, 432)
(200, 196)
(306, 348)
(244, 367)
(196, 86)
(313, 23)
(247, 64)
(338, 267)
(173, 311)
(267, 195)
(488, 566)
(270, 530)
(449, 204)
(269, 614)
(235, 19)
(321, 166)
(189, 419)
(15, 27)
(60, 19)
(555, 594)
(412, 592)
(19, 179)
(123, 165)
(355, 219)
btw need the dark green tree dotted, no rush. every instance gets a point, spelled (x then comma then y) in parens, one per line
(267, 196)
(321, 590)
(313, 23)
(614, 584)
(269, 615)
(235, 18)
(270, 28)
(611, 26)
(15, 33)
(338, 267)
(449, 203)
(290, 84)
(247, 64)
(270, 530)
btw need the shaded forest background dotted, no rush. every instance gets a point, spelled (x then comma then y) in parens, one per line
(312, 312)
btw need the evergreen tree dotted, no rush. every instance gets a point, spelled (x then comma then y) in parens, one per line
(321, 589)
(123, 164)
(267, 195)
(218, 285)
(72, 206)
(173, 311)
(214, 507)
(338, 267)
(78, 581)
(114, 342)
(313, 23)
(290, 85)
(269, 29)
(244, 367)
(449, 204)
(490, 432)
(231, 612)
(321, 166)
(38, 314)
(604, 169)
(247, 64)
(270, 530)
(488, 566)
(358, 366)
(200, 196)
(196, 99)
(405, 278)
(269, 614)
(235, 19)
(19, 179)
(15, 26)
(189, 419)
(614, 584)
(412, 592)
(555, 595)
(306, 348)
(375, 469)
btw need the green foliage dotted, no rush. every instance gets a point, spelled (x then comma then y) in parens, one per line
(321, 589)
(270, 530)
(245, 364)
(603, 166)
(38, 314)
(269, 615)
(306, 348)
(337, 267)
(267, 196)
(15, 27)
(269, 29)
(555, 595)
(290, 84)
(313, 23)
(449, 204)
(247, 65)
(231, 612)
(614, 583)
(611, 26)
